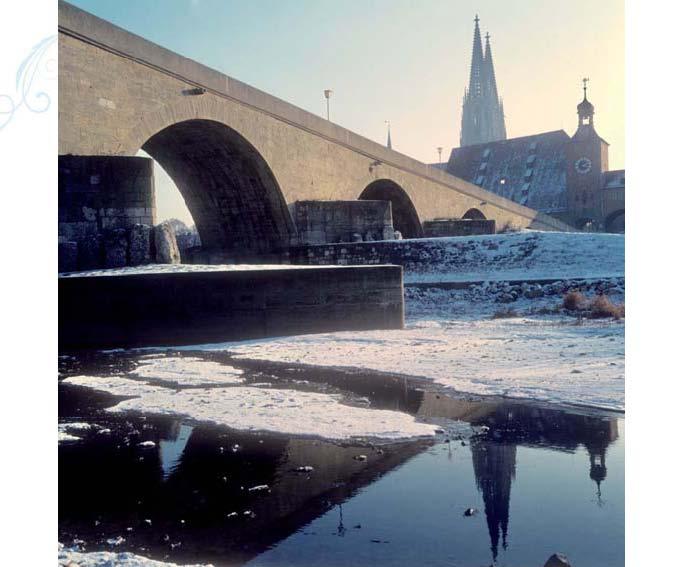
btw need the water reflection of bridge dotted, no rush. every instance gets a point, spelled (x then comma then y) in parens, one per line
(194, 479)
(512, 424)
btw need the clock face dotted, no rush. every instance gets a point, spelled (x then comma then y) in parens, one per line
(583, 165)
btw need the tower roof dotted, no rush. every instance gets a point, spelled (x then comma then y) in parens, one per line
(489, 78)
(477, 59)
(585, 108)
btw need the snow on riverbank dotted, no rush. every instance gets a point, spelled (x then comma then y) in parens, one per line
(523, 255)
(484, 300)
(547, 359)
(187, 268)
(249, 408)
(70, 557)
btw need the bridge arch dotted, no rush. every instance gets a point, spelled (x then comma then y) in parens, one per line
(614, 222)
(405, 217)
(474, 214)
(230, 190)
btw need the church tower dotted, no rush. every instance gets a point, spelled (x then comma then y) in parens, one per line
(482, 119)
(587, 159)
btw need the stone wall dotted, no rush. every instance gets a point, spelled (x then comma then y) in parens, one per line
(106, 211)
(326, 222)
(458, 227)
(212, 306)
(411, 254)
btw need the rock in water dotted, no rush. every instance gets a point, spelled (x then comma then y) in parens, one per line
(139, 237)
(167, 251)
(557, 560)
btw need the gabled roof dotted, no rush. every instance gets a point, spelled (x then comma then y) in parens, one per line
(530, 170)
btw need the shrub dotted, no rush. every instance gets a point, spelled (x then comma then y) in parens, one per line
(601, 307)
(574, 300)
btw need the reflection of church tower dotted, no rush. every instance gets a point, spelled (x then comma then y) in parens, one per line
(494, 468)
(597, 447)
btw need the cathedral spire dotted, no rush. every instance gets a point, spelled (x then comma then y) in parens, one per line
(475, 81)
(483, 118)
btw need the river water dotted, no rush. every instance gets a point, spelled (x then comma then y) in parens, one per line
(542, 479)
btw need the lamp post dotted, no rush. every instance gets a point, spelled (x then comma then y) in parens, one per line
(439, 153)
(327, 95)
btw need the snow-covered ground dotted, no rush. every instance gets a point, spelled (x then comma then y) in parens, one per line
(187, 371)
(540, 358)
(516, 256)
(251, 408)
(69, 557)
(185, 268)
(451, 338)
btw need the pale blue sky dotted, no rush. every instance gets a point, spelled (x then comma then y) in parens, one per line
(405, 61)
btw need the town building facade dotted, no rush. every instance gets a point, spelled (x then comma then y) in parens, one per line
(565, 176)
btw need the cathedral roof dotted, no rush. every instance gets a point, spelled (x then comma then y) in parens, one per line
(530, 170)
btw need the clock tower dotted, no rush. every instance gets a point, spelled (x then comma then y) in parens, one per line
(587, 159)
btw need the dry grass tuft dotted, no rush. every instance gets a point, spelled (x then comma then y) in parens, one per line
(601, 307)
(574, 300)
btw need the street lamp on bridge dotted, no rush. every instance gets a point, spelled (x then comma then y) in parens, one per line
(327, 95)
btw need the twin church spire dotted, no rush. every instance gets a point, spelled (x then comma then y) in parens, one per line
(482, 120)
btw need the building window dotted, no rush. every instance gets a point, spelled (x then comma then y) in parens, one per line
(486, 153)
(530, 159)
(533, 146)
(483, 166)
(479, 180)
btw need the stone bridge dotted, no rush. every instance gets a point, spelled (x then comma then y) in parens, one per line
(238, 155)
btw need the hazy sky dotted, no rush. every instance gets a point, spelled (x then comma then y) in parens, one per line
(406, 61)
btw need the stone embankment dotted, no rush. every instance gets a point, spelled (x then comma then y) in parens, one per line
(136, 245)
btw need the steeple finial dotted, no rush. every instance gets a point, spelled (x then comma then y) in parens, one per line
(585, 80)
(476, 19)
(389, 145)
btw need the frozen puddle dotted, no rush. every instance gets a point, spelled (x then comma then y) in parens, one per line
(188, 371)
(246, 408)
(70, 557)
